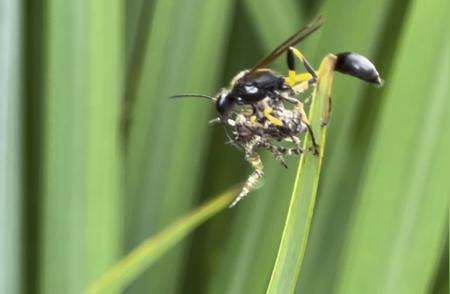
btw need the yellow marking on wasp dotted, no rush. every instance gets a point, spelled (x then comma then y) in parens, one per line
(292, 75)
(303, 77)
(300, 108)
(290, 79)
(271, 118)
(293, 79)
(297, 53)
(253, 118)
(299, 82)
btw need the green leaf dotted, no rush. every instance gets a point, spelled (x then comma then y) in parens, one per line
(132, 265)
(81, 202)
(244, 256)
(398, 230)
(103, 203)
(355, 109)
(168, 138)
(11, 144)
(301, 208)
(72, 69)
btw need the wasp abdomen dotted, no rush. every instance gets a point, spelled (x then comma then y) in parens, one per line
(357, 66)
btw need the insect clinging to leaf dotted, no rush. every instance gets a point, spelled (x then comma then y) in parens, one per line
(261, 106)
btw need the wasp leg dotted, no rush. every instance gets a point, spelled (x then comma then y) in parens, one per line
(298, 148)
(255, 160)
(283, 151)
(256, 114)
(264, 111)
(315, 147)
(270, 117)
(327, 116)
(267, 113)
(288, 99)
(299, 82)
(292, 51)
(278, 152)
(301, 110)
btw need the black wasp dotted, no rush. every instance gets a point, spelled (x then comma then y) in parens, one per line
(261, 107)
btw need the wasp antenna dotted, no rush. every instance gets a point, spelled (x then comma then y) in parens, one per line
(193, 95)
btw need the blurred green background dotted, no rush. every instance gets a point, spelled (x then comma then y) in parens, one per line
(94, 158)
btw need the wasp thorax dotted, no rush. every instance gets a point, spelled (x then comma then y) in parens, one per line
(358, 66)
(250, 89)
(248, 92)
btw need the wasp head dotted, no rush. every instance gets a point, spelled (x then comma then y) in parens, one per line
(224, 103)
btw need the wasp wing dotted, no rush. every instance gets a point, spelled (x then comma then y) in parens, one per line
(294, 39)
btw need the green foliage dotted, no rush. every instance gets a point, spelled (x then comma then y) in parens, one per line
(301, 208)
(80, 183)
(402, 213)
(10, 148)
(94, 159)
(151, 249)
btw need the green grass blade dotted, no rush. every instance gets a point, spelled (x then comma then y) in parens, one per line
(83, 79)
(151, 249)
(61, 261)
(440, 283)
(380, 217)
(34, 80)
(103, 203)
(398, 230)
(245, 254)
(298, 222)
(355, 110)
(10, 147)
(168, 137)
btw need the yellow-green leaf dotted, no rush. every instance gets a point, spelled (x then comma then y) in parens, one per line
(139, 259)
(298, 222)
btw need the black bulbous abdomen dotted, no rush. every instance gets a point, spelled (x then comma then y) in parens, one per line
(357, 66)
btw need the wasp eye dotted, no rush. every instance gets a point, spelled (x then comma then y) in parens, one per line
(251, 89)
(358, 66)
(224, 103)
